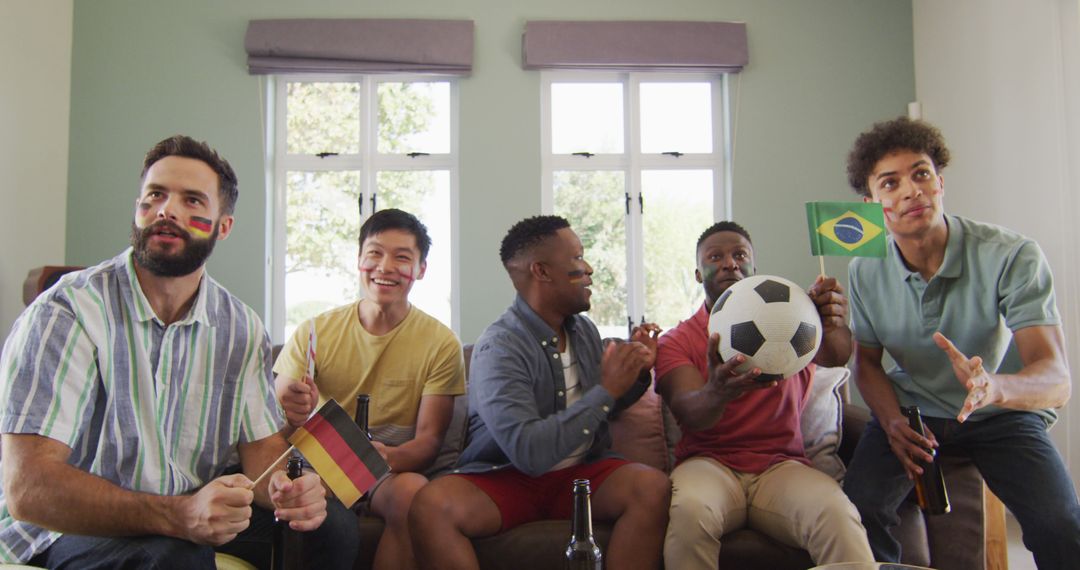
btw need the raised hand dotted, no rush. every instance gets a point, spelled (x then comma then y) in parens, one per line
(299, 399)
(218, 511)
(646, 334)
(621, 364)
(301, 501)
(723, 376)
(983, 389)
(832, 305)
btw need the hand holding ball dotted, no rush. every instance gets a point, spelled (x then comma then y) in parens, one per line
(769, 320)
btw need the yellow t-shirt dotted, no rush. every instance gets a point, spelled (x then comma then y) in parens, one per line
(420, 357)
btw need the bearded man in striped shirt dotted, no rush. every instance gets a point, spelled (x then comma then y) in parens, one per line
(138, 405)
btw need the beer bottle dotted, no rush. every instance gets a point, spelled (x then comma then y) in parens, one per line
(582, 553)
(930, 489)
(361, 416)
(288, 549)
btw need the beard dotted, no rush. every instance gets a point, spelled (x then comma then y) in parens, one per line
(187, 261)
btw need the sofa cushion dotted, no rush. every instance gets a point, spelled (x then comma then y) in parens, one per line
(638, 432)
(822, 421)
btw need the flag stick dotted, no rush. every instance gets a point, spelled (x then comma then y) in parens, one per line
(272, 466)
(821, 261)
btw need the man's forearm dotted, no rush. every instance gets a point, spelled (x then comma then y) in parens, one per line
(699, 409)
(66, 499)
(836, 345)
(414, 455)
(1039, 385)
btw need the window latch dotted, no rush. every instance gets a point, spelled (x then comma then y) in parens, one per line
(416, 154)
(586, 154)
(325, 154)
(674, 153)
(627, 203)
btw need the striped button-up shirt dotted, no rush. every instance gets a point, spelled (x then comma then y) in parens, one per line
(152, 408)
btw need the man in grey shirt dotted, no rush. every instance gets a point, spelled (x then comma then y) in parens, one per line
(541, 390)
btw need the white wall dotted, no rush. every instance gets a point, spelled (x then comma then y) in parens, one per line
(1002, 80)
(35, 93)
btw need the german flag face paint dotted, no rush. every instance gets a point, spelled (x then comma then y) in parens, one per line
(200, 227)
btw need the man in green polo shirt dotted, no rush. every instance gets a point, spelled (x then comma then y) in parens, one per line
(945, 303)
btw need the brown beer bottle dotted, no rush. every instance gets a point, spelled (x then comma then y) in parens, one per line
(582, 553)
(288, 549)
(361, 415)
(930, 489)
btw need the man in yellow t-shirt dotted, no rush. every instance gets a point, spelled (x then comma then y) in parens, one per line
(408, 362)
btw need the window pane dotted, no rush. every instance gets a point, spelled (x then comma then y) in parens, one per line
(414, 117)
(594, 204)
(676, 117)
(323, 117)
(322, 223)
(586, 117)
(678, 207)
(426, 195)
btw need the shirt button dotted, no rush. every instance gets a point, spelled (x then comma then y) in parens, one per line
(556, 355)
(561, 393)
(554, 339)
(543, 343)
(585, 431)
(605, 408)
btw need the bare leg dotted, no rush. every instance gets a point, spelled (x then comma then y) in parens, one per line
(445, 514)
(637, 498)
(391, 502)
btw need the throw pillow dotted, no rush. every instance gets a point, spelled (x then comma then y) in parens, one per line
(822, 421)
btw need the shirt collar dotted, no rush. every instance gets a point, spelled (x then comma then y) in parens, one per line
(951, 265)
(140, 305)
(537, 327)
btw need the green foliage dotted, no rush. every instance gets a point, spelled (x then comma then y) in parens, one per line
(594, 204)
(323, 117)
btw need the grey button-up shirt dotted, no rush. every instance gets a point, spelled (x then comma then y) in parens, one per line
(517, 395)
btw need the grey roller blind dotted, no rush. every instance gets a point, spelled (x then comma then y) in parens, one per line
(359, 46)
(635, 45)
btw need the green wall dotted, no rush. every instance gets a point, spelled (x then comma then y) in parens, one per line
(820, 71)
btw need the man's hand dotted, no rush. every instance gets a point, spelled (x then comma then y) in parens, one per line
(218, 511)
(299, 399)
(907, 445)
(727, 381)
(646, 334)
(300, 501)
(831, 303)
(983, 389)
(621, 364)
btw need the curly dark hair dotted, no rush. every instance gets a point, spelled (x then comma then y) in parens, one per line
(724, 226)
(187, 147)
(527, 233)
(890, 136)
(395, 219)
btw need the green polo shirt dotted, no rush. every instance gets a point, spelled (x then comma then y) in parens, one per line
(992, 282)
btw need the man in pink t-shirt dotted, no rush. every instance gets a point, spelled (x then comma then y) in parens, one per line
(740, 460)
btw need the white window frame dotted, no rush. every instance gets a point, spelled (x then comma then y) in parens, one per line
(368, 163)
(632, 161)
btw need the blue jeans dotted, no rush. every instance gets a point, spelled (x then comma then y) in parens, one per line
(334, 545)
(1016, 458)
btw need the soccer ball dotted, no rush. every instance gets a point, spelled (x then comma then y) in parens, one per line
(770, 321)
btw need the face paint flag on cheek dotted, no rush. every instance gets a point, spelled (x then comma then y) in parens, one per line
(576, 276)
(200, 227)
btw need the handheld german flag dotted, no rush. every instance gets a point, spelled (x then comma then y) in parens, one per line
(340, 452)
(853, 229)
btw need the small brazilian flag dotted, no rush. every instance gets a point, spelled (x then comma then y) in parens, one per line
(854, 229)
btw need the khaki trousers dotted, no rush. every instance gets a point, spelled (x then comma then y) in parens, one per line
(794, 504)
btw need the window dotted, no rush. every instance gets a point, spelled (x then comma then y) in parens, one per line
(639, 165)
(341, 149)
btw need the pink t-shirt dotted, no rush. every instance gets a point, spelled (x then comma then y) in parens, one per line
(758, 429)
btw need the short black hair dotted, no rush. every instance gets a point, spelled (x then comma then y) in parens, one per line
(187, 147)
(724, 226)
(528, 233)
(395, 219)
(887, 137)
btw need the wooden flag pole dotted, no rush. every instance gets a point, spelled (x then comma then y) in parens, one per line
(272, 466)
(821, 262)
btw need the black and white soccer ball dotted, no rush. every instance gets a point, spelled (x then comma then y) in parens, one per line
(769, 320)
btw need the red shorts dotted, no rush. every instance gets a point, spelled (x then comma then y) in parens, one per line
(521, 498)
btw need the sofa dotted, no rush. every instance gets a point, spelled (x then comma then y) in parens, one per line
(646, 432)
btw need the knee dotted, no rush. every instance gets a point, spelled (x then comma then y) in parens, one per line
(400, 492)
(691, 515)
(654, 488)
(431, 505)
